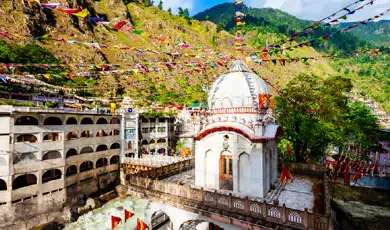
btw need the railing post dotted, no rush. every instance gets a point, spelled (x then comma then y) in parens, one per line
(305, 219)
(264, 209)
(284, 215)
(246, 207)
(230, 201)
(201, 194)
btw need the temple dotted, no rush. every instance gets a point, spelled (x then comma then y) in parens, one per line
(235, 140)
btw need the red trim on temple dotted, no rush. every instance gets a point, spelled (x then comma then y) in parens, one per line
(207, 132)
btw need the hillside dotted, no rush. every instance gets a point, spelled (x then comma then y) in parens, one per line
(181, 85)
(375, 32)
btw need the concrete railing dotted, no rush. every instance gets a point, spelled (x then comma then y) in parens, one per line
(213, 199)
(305, 168)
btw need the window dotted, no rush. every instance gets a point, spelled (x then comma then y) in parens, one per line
(145, 130)
(26, 138)
(26, 120)
(71, 152)
(152, 129)
(71, 170)
(52, 121)
(52, 174)
(162, 129)
(24, 181)
(71, 121)
(86, 166)
(52, 137)
(86, 121)
(101, 121)
(51, 155)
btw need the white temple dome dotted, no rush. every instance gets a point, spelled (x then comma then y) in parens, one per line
(238, 88)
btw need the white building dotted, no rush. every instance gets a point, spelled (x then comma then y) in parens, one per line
(235, 142)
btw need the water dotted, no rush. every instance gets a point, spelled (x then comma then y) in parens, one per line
(100, 219)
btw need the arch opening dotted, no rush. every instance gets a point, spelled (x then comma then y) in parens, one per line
(71, 170)
(86, 121)
(71, 136)
(26, 120)
(86, 149)
(144, 142)
(51, 155)
(26, 138)
(244, 172)
(52, 137)
(101, 121)
(115, 120)
(3, 185)
(101, 162)
(101, 133)
(51, 174)
(114, 132)
(71, 152)
(24, 157)
(86, 134)
(114, 160)
(71, 121)
(86, 166)
(115, 146)
(24, 181)
(52, 121)
(101, 148)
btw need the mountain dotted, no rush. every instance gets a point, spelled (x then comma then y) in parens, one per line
(185, 83)
(377, 33)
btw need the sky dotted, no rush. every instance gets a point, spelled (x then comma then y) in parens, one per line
(303, 9)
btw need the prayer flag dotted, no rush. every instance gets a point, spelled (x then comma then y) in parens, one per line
(289, 149)
(128, 215)
(141, 225)
(285, 175)
(70, 11)
(119, 25)
(263, 98)
(115, 221)
(50, 5)
(82, 14)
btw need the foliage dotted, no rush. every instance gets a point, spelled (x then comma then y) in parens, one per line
(155, 114)
(160, 5)
(316, 114)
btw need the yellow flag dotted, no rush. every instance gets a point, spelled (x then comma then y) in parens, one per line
(48, 76)
(82, 14)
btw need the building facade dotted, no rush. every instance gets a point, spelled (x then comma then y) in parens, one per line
(235, 146)
(43, 152)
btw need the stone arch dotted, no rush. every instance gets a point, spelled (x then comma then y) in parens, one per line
(162, 140)
(86, 166)
(86, 134)
(51, 155)
(52, 137)
(101, 148)
(115, 146)
(52, 121)
(26, 120)
(114, 132)
(244, 172)
(86, 149)
(209, 170)
(26, 138)
(144, 142)
(115, 120)
(3, 185)
(152, 141)
(114, 160)
(71, 170)
(161, 220)
(101, 133)
(71, 121)
(24, 181)
(51, 174)
(101, 162)
(86, 121)
(71, 136)
(102, 121)
(71, 152)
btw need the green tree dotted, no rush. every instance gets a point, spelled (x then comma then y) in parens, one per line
(207, 18)
(169, 10)
(186, 13)
(181, 11)
(219, 27)
(160, 5)
(316, 114)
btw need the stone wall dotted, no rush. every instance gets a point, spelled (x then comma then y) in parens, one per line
(304, 168)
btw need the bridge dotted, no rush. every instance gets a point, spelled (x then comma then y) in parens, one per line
(243, 212)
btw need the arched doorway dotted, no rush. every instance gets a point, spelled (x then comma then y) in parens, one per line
(161, 221)
(226, 171)
(210, 172)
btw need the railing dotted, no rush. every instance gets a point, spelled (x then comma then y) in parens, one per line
(242, 205)
(153, 160)
(296, 167)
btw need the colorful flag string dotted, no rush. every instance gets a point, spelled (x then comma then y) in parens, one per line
(239, 40)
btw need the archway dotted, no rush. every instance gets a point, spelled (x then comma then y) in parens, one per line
(101, 121)
(210, 170)
(3, 185)
(114, 160)
(24, 157)
(115, 146)
(52, 137)
(52, 121)
(71, 152)
(161, 221)
(101, 162)
(51, 155)
(161, 151)
(101, 148)
(144, 142)
(244, 173)
(71, 136)
(86, 134)
(86, 149)
(51, 174)
(101, 133)
(71, 170)
(26, 120)
(161, 140)
(24, 181)
(27, 138)
(115, 121)
(86, 166)
(226, 170)
(114, 132)
(86, 121)
(71, 121)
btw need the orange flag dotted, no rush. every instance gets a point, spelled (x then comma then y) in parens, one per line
(263, 98)
(289, 149)
(115, 221)
(128, 215)
(141, 225)
(285, 175)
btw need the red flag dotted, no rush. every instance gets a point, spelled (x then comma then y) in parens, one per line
(128, 215)
(285, 175)
(115, 221)
(119, 25)
(358, 174)
(141, 225)
(263, 98)
(70, 11)
(289, 149)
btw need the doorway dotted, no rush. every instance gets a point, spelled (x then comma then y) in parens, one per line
(226, 172)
